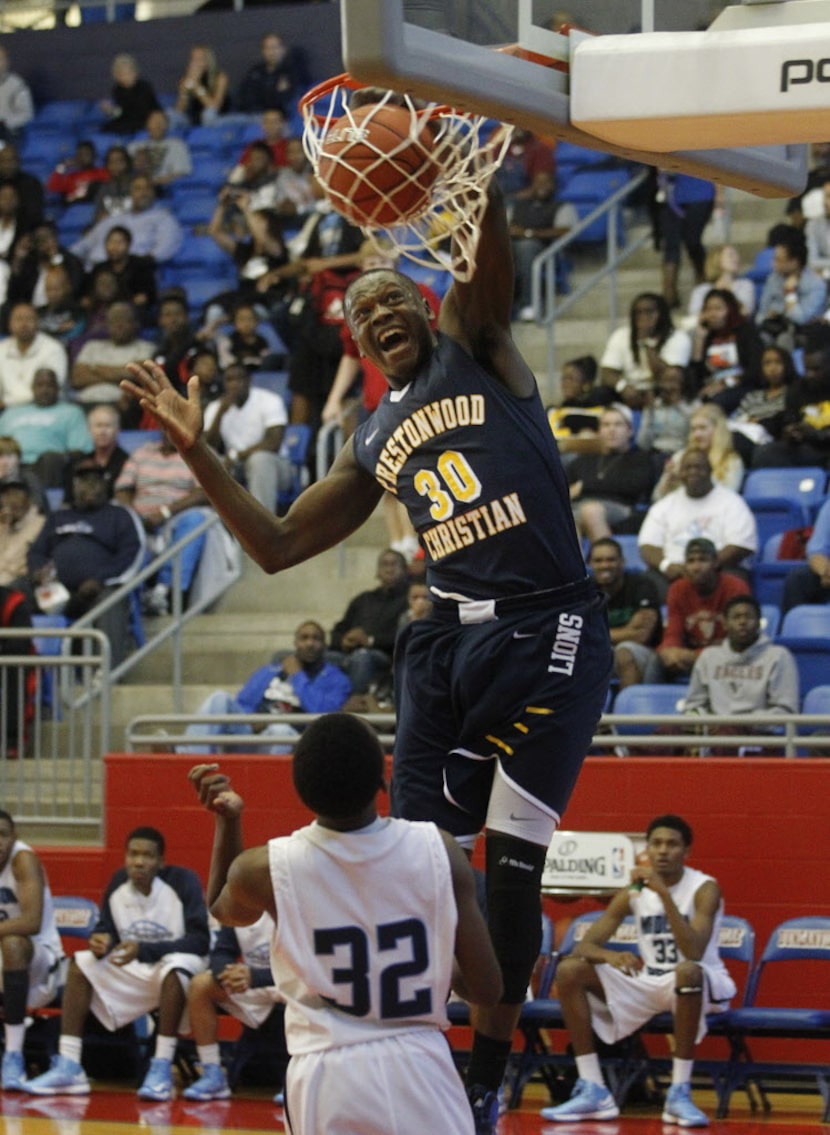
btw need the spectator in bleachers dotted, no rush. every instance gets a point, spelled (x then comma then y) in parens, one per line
(726, 349)
(258, 181)
(202, 92)
(23, 353)
(243, 344)
(636, 355)
(62, 315)
(163, 157)
(677, 912)
(817, 234)
(418, 603)
(809, 203)
(29, 189)
(709, 433)
(634, 618)
(51, 432)
(134, 275)
(275, 133)
(277, 81)
(154, 229)
(696, 606)
(159, 486)
(12, 229)
(805, 435)
(248, 424)
(91, 547)
(177, 344)
(132, 98)
(329, 254)
(20, 524)
(810, 582)
(606, 487)
(362, 641)
(100, 364)
(526, 157)
(294, 194)
(664, 421)
(699, 507)
(102, 293)
(74, 180)
(11, 469)
(31, 944)
(151, 938)
(722, 269)
(112, 195)
(239, 982)
(793, 295)
(536, 220)
(684, 206)
(302, 681)
(575, 421)
(760, 415)
(745, 673)
(253, 238)
(103, 423)
(206, 369)
(17, 108)
(34, 254)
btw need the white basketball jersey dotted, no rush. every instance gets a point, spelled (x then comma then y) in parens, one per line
(365, 932)
(658, 948)
(255, 942)
(10, 904)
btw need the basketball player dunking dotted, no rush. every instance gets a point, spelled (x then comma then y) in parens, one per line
(499, 691)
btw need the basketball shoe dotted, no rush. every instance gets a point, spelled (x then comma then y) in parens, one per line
(679, 1108)
(65, 1077)
(211, 1085)
(588, 1101)
(158, 1083)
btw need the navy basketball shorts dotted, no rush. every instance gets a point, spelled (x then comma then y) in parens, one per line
(525, 689)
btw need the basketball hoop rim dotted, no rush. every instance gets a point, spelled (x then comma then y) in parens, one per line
(345, 80)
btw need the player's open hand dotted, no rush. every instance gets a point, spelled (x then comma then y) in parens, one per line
(214, 790)
(152, 389)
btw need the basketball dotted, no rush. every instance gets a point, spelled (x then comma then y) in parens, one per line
(374, 168)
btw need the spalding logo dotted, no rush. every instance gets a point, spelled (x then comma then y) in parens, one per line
(347, 134)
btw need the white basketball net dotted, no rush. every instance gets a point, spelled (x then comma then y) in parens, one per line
(467, 151)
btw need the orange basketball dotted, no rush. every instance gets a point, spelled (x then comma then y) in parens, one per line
(375, 169)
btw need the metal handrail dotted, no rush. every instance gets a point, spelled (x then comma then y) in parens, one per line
(784, 730)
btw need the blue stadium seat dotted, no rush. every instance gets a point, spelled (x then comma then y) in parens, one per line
(805, 486)
(808, 620)
(220, 140)
(769, 575)
(648, 699)
(130, 440)
(273, 380)
(209, 173)
(812, 657)
(770, 619)
(202, 252)
(295, 443)
(64, 112)
(194, 207)
(631, 552)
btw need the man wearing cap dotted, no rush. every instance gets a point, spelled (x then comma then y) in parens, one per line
(695, 607)
(698, 508)
(91, 547)
(606, 486)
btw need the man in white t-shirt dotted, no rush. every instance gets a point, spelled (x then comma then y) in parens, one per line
(249, 424)
(698, 508)
(23, 354)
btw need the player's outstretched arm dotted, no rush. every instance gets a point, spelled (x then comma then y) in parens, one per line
(479, 974)
(323, 515)
(477, 313)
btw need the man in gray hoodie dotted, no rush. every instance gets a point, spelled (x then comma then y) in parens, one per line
(747, 673)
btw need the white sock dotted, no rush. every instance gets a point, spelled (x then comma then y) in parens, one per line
(70, 1047)
(208, 1054)
(166, 1047)
(14, 1037)
(588, 1068)
(681, 1071)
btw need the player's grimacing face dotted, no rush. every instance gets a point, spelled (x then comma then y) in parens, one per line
(388, 320)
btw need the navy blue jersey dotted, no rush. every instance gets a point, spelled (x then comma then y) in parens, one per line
(479, 473)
